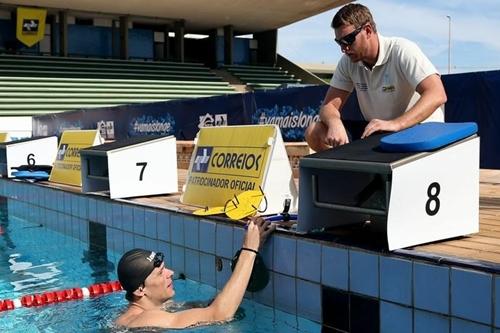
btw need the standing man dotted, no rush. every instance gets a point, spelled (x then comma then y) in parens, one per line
(396, 84)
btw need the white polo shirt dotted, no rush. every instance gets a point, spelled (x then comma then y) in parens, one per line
(388, 89)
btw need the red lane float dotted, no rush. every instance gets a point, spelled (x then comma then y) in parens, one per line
(58, 296)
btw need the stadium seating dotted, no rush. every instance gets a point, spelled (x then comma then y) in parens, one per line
(262, 77)
(32, 85)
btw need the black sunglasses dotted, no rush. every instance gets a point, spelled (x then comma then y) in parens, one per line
(348, 39)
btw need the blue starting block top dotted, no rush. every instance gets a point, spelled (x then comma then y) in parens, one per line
(427, 136)
(35, 175)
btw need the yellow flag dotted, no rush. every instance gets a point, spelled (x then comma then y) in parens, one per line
(30, 25)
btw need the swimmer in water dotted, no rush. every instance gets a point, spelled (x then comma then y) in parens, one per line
(148, 284)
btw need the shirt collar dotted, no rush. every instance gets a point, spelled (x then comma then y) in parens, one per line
(383, 54)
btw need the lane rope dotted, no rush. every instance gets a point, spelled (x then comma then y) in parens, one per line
(51, 297)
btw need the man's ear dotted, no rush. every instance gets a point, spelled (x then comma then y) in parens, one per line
(139, 292)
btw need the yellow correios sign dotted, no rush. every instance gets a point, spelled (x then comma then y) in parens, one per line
(30, 27)
(4, 137)
(227, 161)
(66, 169)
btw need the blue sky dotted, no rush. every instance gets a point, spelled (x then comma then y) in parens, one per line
(475, 25)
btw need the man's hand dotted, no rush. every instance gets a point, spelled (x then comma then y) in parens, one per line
(257, 232)
(377, 125)
(336, 134)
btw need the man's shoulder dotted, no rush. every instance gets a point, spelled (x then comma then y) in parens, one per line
(400, 44)
(156, 317)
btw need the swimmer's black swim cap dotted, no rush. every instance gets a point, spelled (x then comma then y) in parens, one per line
(134, 267)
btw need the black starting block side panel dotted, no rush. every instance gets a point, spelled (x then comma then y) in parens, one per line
(123, 143)
(365, 150)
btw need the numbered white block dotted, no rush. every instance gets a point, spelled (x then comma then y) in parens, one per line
(31, 151)
(414, 198)
(131, 168)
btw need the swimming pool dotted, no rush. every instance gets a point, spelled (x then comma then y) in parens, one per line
(35, 258)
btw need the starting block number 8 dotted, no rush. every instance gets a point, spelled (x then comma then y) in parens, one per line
(432, 193)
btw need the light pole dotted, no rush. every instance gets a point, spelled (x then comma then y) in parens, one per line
(449, 43)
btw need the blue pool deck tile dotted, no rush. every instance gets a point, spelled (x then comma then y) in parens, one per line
(471, 295)
(207, 236)
(266, 295)
(465, 326)
(150, 223)
(395, 318)
(224, 241)
(177, 259)
(192, 265)
(116, 215)
(396, 280)
(429, 322)
(223, 275)
(309, 300)
(363, 272)
(431, 287)
(163, 226)
(127, 218)
(191, 233)
(309, 260)
(497, 301)
(138, 213)
(177, 229)
(285, 254)
(207, 269)
(285, 293)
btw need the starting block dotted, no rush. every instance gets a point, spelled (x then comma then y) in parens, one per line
(420, 184)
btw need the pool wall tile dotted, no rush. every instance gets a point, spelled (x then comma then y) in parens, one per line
(285, 254)
(207, 269)
(266, 295)
(150, 223)
(335, 308)
(223, 275)
(431, 287)
(117, 217)
(92, 209)
(153, 245)
(238, 235)
(101, 212)
(83, 207)
(267, 252)
(396, 280)
(177, 229)
(471, 295)
(395, 318)
(60, 201)
(309, 300)
(139, 241)
(364, 314)
(119, 248)
(192, 265)
(177, 259)
(207, 236)
(285, 293)
(108, 218)
(363, 273)
(309, 260)
(465, 326)
(191, 233)
(74, 206)
(127, 218)
(163, 226)
(224, 241)
(67, 203)
(428, 322)
(138, 213)
(128, 241)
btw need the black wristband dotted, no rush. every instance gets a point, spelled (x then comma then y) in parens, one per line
(251, 250)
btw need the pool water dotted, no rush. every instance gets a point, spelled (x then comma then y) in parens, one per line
(34, 259)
